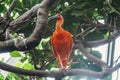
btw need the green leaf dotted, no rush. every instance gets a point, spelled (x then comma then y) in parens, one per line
(19, 64)
(28, 66)
(77, 13)
(94, 36)
(14, 35)
(12, 76)
(15, 54)
(107, 78)
(1, 77)
(3, 59)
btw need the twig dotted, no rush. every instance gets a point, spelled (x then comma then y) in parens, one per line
(85, 32)
(115, 24)
(89, 20)
(115, 62)
(112, 7)
(12, 6)
(33, 59)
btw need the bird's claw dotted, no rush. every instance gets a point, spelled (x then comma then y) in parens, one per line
(63, 70)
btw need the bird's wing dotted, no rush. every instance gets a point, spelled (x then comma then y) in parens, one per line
(52, 46)
(55, 53)
(70, 42)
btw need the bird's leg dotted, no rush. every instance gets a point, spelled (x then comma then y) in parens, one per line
(60, 62)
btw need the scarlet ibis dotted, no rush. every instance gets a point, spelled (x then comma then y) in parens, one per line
(61, 43)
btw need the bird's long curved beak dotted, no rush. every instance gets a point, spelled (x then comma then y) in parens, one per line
(53, 17)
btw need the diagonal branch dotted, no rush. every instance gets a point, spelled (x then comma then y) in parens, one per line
(112, 7)
(5, 20)
(12, 6)
(34, 39)
(3, 35)
(85, 32)
(97, 43)
(30, 14)
(99, 62)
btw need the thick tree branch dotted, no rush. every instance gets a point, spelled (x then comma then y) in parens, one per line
(34, 39)
(97, 43)
(62, 73)
(3, 36)
(30, 14)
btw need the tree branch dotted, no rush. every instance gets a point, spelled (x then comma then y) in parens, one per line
(34, 39)
(12, 6)
(70, 72)
(112, 7)
(97, 43)
(33, 59)
(85, 32)
(30, 14)
(4, 21)
(92, 58)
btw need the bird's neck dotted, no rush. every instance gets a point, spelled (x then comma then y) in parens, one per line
(59, 25)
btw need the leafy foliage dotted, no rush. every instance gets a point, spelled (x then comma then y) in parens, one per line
(12, 76)
(1, 77)
(15, 54)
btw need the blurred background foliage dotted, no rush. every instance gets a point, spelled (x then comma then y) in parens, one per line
(76, 13)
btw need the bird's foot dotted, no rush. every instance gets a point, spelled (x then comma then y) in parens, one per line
(71, 62)
(63, 70)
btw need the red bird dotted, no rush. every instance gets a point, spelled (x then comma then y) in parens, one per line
(61, 43)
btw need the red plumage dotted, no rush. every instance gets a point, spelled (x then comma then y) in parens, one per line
(61, 43)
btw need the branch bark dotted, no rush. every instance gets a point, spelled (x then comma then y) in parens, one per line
(30, 14)
(63, 73)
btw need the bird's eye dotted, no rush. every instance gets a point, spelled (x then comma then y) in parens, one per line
(58, 15)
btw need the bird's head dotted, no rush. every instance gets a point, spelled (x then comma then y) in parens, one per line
(58, 17)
